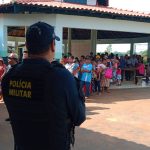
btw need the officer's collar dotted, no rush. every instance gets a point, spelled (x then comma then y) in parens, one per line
(36, 60)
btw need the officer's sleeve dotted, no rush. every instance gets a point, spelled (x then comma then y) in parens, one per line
(61, 88)
(75, 103)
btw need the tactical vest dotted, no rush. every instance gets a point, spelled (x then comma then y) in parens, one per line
(25, 97)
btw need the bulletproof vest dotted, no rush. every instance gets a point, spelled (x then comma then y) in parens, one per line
(25, 98)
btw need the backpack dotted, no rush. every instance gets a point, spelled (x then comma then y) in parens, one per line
(108, 73)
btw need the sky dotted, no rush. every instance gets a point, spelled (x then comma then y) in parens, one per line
(137, 5)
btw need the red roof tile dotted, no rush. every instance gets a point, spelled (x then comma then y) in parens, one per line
(98, 9)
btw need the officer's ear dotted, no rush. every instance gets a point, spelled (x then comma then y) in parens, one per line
(52, 46)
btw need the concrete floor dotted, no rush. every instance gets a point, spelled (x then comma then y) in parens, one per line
(130, 85)
(115, 121)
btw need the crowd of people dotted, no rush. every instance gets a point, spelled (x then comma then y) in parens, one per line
(97, 72)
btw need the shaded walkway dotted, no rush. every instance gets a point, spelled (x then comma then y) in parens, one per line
(98, 141)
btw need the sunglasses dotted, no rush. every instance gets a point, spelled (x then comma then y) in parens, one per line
(12, 58)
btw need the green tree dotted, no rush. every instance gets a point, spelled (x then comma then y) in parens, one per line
(144, 55)
(109, 49)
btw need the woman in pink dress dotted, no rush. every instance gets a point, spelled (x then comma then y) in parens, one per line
(140, 71)
(2, 72)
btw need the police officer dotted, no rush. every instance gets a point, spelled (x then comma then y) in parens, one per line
(42, 98)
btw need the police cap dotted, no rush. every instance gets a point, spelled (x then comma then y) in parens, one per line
(39, 36)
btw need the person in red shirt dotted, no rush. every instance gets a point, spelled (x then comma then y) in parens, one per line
(140, 71)
(118, 73)
(2, 72)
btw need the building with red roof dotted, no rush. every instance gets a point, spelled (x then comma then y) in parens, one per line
(91, 20)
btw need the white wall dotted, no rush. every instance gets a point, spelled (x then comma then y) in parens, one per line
(80, 47)
(77, 22)
(60, 21)
(103, 24)
(28, 19)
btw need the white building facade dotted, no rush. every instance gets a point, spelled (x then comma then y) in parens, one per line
(83, 17)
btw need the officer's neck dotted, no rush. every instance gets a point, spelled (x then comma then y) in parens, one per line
(40, 56)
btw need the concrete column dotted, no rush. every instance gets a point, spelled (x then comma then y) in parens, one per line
(3, 39)
(132, 48)
(25, 28)
(93, 41)
(148, 53)
(16, 46)
(69, 41)
(58, 46)
(65, 47)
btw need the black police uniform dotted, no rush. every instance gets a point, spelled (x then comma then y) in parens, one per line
(43, 103)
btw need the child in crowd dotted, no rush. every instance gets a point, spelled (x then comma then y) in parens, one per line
(108, 76)
(97, 80)
(76, 68)
(102, 65)
(94, 64)
(118, 73)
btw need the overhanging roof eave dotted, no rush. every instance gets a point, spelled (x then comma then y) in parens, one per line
(24, 8)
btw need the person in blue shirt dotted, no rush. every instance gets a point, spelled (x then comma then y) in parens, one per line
(86, 76)
(122, 65)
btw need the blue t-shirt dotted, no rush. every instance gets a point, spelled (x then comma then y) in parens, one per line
(86, 76)
(75, 67)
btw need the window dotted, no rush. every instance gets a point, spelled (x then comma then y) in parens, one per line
(76, 1)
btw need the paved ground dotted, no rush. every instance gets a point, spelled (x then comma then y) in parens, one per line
(131, 84)
(115, 121)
